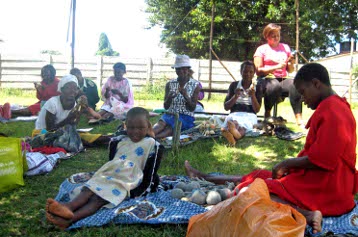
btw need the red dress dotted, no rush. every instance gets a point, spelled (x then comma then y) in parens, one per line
(43, 94)
(330, 145)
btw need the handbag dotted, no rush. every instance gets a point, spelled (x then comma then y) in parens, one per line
(12, 164)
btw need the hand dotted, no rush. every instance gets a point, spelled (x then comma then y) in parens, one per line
(172, 94)
(282, 65)
(251, 91)
(37, 86)
(183, 92)
(82, 100)
(237, 92)
(115, 91)
(280, 170)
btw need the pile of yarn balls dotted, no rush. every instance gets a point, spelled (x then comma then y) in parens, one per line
(202, 193)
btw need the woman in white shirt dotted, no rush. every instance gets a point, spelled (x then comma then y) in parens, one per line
(61, 110)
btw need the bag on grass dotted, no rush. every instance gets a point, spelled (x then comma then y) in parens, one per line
(11, 164)
(70, 140)
(39, 163)
(249, 214)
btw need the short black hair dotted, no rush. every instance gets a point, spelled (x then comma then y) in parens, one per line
(75, 71)
(51, 69)
(119, 66)
(247, 63)
(313, 70)
(137, 111)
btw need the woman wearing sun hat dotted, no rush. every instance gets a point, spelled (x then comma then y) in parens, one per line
(181, 96)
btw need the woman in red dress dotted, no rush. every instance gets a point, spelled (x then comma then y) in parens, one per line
(44, 91)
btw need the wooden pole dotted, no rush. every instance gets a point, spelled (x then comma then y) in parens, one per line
(73, 33)
(222, 64)
(351, 71)
(211, 46)
(297, 33)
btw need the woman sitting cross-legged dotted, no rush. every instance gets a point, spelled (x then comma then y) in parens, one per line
(60, 110)
(244, 101)
(44, 91)
(181, 97)
(132, 172)
(117, 94)
(322, 179)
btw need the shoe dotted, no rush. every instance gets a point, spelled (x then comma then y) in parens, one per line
(286, 134)
(94, 121)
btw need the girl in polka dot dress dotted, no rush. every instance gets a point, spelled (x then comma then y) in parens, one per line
(132, 172)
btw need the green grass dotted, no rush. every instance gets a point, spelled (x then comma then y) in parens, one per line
(21, 210)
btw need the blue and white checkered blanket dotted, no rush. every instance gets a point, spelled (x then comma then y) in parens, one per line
(155, 208)
(160, 208)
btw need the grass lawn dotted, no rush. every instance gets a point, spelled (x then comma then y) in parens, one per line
(21, 210)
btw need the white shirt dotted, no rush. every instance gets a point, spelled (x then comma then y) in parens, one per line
(54, 106)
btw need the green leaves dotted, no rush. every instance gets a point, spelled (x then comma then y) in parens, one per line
(238, 25)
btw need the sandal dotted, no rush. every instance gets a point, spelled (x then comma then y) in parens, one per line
(287, 134)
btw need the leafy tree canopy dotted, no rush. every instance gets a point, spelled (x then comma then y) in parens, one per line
(238, 25)
(104, 46)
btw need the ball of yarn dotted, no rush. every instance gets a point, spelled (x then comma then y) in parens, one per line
(198, 197)
(192, 186)
(225, 193)
(177, 193)
(213, 198)
(181, 185)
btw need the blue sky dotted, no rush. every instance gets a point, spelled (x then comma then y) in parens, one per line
(27, 27)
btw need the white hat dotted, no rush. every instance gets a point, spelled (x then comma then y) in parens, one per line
(181, 61)
(66, 79)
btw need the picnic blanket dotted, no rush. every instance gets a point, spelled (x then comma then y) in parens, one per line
(161, 208)
(155, 208)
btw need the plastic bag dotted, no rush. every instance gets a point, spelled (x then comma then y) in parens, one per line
(41, 164)
(70, 139)
(11, 164)
(65, 137)
(251, 213)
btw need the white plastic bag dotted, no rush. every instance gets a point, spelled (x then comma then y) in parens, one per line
(39, 163)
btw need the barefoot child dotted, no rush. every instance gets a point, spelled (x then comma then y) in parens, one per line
(132, 172)
(244, 101)
(322, 179)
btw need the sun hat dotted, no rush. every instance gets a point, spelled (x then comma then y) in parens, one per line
(66, 79)
(181, 61)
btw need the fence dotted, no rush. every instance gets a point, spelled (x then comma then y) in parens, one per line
(18, 71)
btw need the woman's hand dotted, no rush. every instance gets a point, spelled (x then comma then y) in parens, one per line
(172, 94)
(183, 91)
(280, 170)
(251, 92)
(37, 86)
(106, 94)
(115, 91)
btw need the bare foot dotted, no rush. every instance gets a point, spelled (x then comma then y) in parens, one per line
(229, 137)
(58, 221)
(58, 209)
(232, 129)
(191, 172)
(314, 219)
(93, 113)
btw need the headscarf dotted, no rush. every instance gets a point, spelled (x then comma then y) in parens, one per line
(66, 79)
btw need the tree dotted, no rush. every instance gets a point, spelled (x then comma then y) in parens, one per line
(238, 25)
(104, 46)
